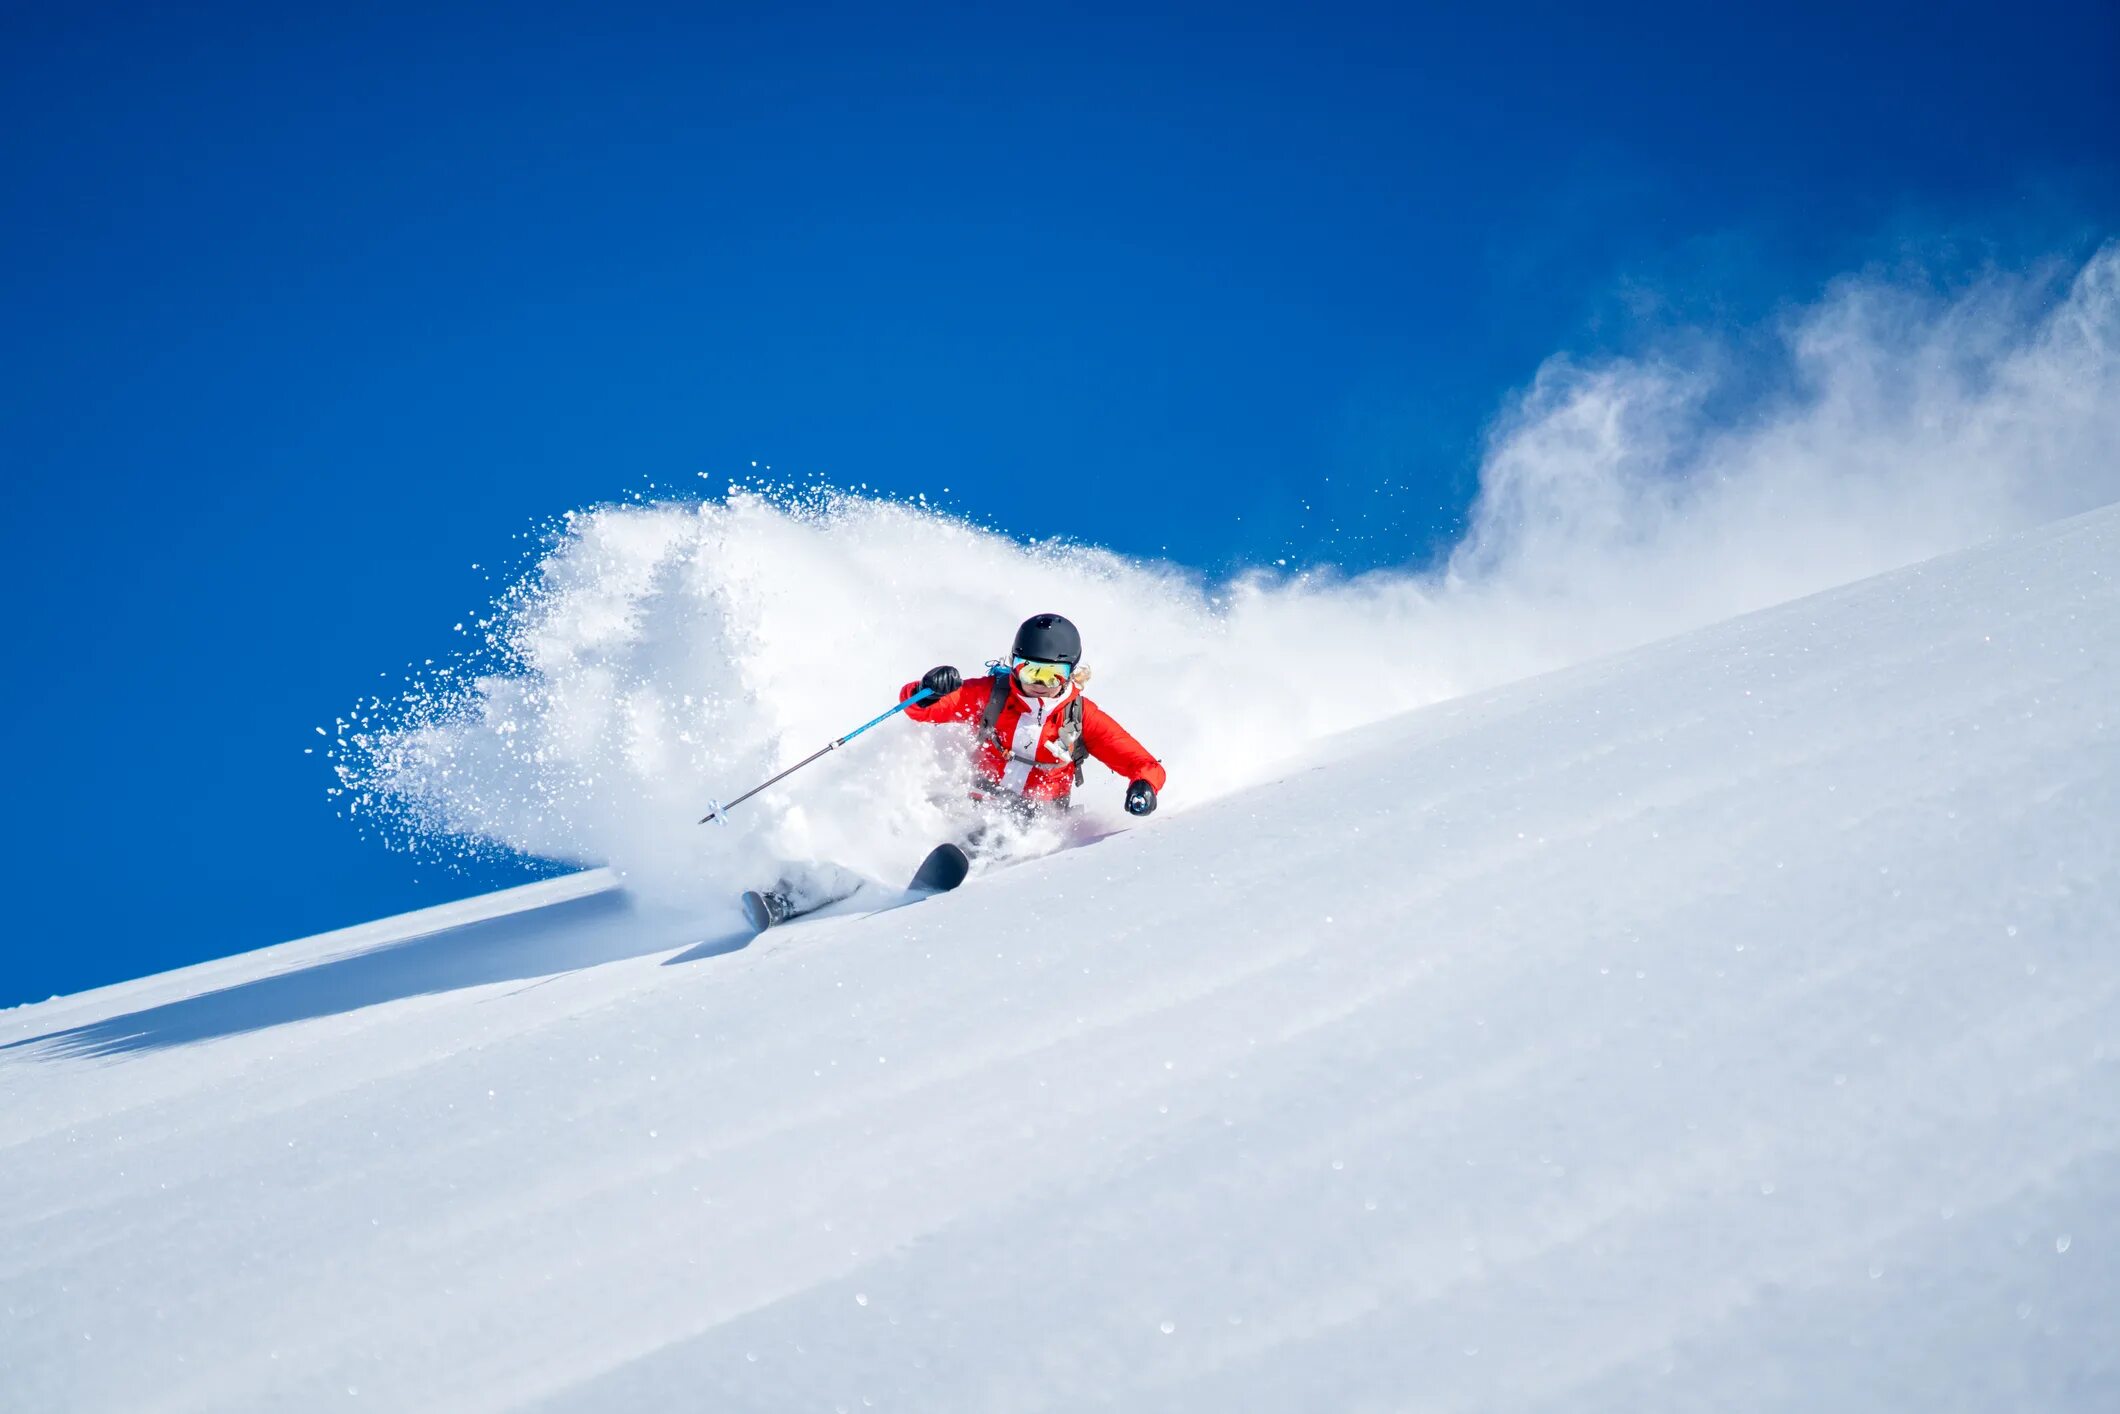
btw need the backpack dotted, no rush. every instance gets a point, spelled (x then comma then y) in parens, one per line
(1068, 739)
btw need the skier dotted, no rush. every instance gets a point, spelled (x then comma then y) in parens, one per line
(1035, 725)
(1035, 728)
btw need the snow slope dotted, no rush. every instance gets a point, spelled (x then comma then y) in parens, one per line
(1733, 1023)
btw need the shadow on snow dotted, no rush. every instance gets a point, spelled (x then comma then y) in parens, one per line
(537, 943)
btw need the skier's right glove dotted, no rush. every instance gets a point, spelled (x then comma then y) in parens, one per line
(942, 681)
(1140, 798)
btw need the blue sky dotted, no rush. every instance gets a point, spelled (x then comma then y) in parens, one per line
(308, 315)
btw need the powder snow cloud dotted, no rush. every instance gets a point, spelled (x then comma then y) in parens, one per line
(665, 654)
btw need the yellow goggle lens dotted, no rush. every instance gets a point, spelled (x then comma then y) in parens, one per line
(1038, 674)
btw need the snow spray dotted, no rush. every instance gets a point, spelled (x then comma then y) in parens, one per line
(659, 651)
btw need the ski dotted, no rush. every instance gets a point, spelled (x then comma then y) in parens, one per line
(762, 909)
(944, 869)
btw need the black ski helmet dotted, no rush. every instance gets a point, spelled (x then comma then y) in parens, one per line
(1048, 638)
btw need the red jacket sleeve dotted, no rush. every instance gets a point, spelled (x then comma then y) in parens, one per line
(1110, 744)
(962, 705)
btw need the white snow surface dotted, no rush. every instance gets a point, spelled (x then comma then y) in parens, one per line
(1732, 1023)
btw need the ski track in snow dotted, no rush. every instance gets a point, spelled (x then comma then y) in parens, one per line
(1731, 1023)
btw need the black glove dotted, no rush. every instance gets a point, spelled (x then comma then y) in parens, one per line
(1140, 799)
(942, 681)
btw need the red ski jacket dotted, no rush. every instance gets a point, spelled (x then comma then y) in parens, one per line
(1052, 775)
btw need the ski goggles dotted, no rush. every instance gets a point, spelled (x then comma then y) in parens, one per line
(1032, 673)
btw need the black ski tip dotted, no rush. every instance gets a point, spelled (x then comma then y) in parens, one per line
(755, 911)
(944, 869)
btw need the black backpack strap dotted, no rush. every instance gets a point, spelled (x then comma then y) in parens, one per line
(1073, 723)
(996, 699)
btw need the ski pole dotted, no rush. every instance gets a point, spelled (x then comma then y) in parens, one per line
(720, 812)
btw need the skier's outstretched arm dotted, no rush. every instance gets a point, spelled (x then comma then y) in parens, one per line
(1111, 744)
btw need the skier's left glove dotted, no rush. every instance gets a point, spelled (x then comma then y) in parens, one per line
(1140, 799)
